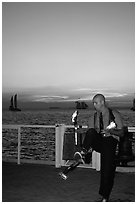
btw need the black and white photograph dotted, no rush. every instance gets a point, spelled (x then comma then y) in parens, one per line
(68, 101)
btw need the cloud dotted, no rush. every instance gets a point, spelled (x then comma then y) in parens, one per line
(57, 94)
(83, 89)
(82, 96)
(88, 93)
(48, 98)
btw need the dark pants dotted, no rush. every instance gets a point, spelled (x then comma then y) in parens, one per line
(107, 147)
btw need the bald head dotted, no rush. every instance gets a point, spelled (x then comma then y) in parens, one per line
(100, 97)
(99, 102)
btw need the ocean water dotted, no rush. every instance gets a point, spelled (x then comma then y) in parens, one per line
(52, 117)
(39, 143)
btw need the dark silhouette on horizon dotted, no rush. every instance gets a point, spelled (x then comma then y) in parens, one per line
(133, 108)
(81, 105)
(14, 104)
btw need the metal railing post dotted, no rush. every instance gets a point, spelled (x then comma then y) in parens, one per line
(96, 160)
(19, 143)
(59, 138)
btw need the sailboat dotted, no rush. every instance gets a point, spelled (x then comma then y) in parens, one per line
(13, 104)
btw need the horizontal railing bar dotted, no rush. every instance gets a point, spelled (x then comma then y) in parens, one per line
(130, 129)
(39, 126)
(23, 126)
(10, 126)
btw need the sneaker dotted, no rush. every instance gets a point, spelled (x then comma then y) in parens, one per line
(101, 199)
(79, 157)
(104, 200)
(63, 176)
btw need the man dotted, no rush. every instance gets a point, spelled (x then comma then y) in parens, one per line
(102, 136)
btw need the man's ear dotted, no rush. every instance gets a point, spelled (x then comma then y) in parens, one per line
(102, 102)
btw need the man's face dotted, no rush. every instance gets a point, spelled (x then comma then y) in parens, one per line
(97, 103)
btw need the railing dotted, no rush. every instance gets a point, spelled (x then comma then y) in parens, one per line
(59, 131)
(19, 129)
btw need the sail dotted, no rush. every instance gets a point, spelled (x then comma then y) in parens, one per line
(15, 101)
(11, 102)
(11, 107)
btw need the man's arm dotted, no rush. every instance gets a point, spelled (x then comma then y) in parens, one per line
(119, 130)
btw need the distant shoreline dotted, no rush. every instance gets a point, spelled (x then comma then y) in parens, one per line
(68, 108)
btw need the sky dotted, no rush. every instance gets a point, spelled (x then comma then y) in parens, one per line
(81, 45)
